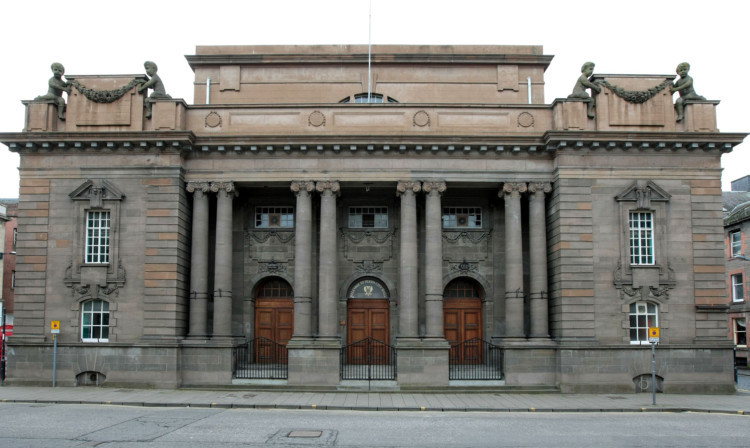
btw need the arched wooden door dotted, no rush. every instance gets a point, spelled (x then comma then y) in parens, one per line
(368, 318)
(274, 318)
(462, 319)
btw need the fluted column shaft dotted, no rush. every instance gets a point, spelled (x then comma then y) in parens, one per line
(223, 260)
(327, 268)
(199, 261)
(513, 260)
(538, 260)
(303, 259)
(434, 259)
(408, 267)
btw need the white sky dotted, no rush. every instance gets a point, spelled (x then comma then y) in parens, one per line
(640, 37)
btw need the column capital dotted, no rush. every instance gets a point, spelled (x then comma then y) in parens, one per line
(197, 186)
(330, 186)
(222, 186)
(542, 187)
(514, 189)
(298, 186)
(408, 185)
(437, 186)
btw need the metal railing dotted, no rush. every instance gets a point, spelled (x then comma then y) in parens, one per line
(260, 358)
(475, 359)
(368, 359)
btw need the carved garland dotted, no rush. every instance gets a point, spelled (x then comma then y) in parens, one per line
(105, 96)
(636, 96)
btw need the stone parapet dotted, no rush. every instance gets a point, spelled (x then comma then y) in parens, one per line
(314, 362)
(422, 362)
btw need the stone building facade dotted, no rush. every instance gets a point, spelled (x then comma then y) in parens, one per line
(450, 205)
(736, 230)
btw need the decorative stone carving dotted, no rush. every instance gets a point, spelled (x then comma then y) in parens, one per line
(635, 96)
(584, 82)
(464, 267)
(153, 83)
(56, 87)
(421, 119)
(330, 186)
(408, 185)
(316, 119)
(368, 267)
(261, 246)
(81, 290)
(222, 186)
(525, 120)
(197, 186)
(514, 188)
(272, 267)
(303, 185)
(472, 245)
(438, 186)
(96, 192)
(544, 187)
(105, 96)
(684, 86)
(213, 120)
(643, 194)
(367, 246)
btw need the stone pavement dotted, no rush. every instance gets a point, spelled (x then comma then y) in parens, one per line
(738, 403)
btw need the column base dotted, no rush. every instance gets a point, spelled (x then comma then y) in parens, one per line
(422, 362)
(314, 362)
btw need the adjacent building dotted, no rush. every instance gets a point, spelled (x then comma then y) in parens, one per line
(736, 230)
(430, 222)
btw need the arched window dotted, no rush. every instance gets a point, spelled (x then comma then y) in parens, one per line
(642, 316)
(95, 321)
(274, 288)
(369, 98)
(461, 289)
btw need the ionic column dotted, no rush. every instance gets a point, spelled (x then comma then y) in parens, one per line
(538, 259)
(223, 259)
(199, 261)
(408, 267)
(434, 259)
(327, 268)
(303, 259)
(513, 260)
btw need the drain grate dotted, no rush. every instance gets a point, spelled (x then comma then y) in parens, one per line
(302, 437)
(306, 434)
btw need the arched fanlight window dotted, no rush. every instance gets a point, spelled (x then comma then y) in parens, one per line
(369, 98)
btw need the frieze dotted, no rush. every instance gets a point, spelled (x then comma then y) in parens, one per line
(464, 267)
(623, 281)
(269, 245)
(272, 267)
(368, 267)
(105, 96)
(466, 245)
(374, 246)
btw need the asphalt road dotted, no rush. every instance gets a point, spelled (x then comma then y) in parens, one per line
(62, 426)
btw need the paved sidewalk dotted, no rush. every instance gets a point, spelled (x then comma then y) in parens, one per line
(738, 403)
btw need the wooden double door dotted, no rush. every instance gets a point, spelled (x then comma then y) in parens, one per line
(274, 321)
(462, 320)
(368, 333)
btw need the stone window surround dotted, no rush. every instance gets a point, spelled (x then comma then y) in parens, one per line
(446, 212)
(732, 242)
(735, 287)
(736, 329)
(77, 320)
(662, 318)
(382, 209)
(91, 325)
(641, 222)
(658, 313)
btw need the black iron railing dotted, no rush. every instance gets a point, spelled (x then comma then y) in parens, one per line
(260, 358)
(368, 359)
(475, 359)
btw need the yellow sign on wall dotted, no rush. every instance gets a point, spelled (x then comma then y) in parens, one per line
(653, 334)
(55, 326)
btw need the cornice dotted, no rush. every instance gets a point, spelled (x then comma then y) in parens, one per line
(378, 58)
(657, 141)
(86, 141)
